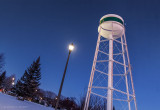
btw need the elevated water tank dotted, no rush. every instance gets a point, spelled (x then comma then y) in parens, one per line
(111, 26)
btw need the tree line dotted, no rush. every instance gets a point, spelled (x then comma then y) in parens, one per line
(27, 88)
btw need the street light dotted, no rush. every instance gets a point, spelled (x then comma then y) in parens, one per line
(71, 47)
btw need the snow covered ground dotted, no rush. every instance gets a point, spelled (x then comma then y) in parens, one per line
(11, 103)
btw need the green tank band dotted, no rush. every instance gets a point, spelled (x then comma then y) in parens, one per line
(111, 19)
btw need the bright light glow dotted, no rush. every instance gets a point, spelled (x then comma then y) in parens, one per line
(71, 47)
(13, 78)
(12, 83)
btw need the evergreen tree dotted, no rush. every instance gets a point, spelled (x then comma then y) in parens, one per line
(34, 76)
(21, 85)
(19, 88)
(29, 83)
(2, 79)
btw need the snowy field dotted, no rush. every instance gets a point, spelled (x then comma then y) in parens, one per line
(11, 103)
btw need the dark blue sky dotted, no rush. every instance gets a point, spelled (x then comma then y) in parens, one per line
(32, 28)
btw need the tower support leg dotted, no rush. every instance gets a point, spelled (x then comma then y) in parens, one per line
(125, 73)
(110, 77)
(134, 97)
(92, 75)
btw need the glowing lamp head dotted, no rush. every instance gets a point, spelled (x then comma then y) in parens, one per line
(71, 47)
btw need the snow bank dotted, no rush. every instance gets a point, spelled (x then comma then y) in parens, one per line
(11, 103)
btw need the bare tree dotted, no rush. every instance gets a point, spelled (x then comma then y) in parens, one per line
(49, 94)
(96, 103)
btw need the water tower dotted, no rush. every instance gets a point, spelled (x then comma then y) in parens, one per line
(111, 84)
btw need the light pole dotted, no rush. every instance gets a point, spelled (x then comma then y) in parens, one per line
(71, 47)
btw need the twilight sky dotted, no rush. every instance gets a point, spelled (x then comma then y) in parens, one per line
(32, 28)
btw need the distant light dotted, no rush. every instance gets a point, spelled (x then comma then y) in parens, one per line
(71, 47)
(13, 83)
(13, 78)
